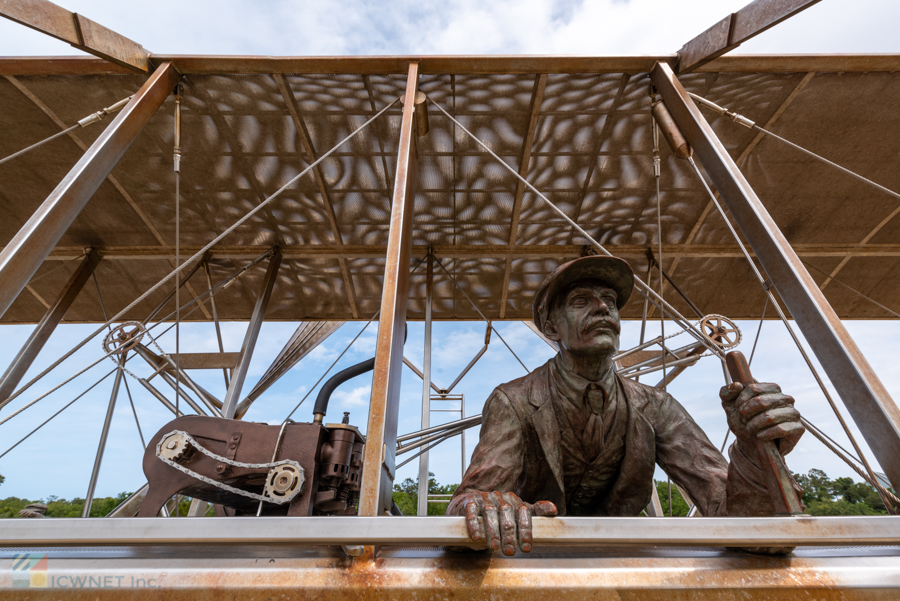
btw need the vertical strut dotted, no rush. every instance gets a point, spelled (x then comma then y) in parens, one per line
(229, 405)
(104, 434)
(422, 508)
(381, 435)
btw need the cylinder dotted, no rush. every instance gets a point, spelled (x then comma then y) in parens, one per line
(677, 142)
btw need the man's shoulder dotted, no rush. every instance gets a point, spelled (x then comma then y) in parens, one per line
(522, 390)
(639, 394)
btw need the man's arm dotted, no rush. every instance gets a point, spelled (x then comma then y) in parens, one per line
(486, 489)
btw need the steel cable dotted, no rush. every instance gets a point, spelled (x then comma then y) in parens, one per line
(793, 335)
(199, 254)
(642, 288)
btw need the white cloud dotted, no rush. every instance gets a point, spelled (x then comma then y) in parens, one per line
(358, 397)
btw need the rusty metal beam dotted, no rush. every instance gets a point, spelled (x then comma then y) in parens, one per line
(46, 326)
(441, 530)
(537, 97)
(381, 434)
(20, 259)
(77, 30)
(868, 401)
(303, 132)
(233, 396)
(473, 251)
(735, 29)
(747, 63)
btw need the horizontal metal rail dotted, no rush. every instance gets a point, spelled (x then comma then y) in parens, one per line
(716, 532)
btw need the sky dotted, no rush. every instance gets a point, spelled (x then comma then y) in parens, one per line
(57, 459)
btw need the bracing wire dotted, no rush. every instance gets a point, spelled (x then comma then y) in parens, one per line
(640, 285)
(198, 254)
(762, 281)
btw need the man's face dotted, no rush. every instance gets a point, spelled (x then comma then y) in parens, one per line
(584, 319)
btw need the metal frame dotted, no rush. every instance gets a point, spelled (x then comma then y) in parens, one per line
(21, 258)
(381, 433)
(45, 328)
(869, 402)
(332, 530)
(233, 396)
(422, 498)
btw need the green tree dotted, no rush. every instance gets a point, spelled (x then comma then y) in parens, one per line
(679, 505)
(842, 496)
(406, 495)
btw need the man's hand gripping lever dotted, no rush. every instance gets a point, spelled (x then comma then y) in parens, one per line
(760, 415)
(506, 519)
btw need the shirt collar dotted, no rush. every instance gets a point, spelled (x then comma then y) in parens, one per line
(573, 387)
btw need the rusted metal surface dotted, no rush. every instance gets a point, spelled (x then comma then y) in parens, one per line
(77, 30)
(735, 29)
(378, 461)
(868, 401)
(431, 530)
(233, 396)
(46, 326)
(239, 441)
(23, 255)
(421, 575)
(438, 65)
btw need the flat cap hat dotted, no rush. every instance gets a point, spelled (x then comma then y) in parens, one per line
(610, 271)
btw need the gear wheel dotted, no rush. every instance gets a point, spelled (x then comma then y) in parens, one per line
(721, 331)
(173, 446)
(284, 482)
(121, 340)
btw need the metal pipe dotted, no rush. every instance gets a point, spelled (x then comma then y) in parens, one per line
(104, 433)
(675, 353)
(156, 362)
(419, 373)
(24, 254)
(381, 432)
(212, 403)
(160, 397)
(215, 315)
(451, 530)
(467, 368)
(43, 330)
(422, 498)
(171, 293)
(668, 364)
(233, 396)
(871, 406)
(414, 445)
(468, 422)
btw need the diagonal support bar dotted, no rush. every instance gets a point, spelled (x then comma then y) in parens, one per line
(872, 408)
(77, 30)
(737, 28)
(256, 319)
(46, 326)
(21, 258)
(381, 436)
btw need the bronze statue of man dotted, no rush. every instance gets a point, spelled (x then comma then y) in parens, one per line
(573, 437)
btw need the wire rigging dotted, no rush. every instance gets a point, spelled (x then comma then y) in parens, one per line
(763, 282)
(198, 254)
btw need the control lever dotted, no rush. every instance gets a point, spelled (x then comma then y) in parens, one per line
(778, 478)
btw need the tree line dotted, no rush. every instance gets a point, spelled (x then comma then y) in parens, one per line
(821, 495)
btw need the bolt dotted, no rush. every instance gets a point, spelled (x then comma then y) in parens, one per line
(172, 444)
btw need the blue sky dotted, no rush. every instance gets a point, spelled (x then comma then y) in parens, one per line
(57, 460)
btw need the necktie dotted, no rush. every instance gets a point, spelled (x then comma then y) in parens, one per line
(593, 430)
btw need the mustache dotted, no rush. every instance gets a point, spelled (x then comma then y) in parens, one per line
(602, 321)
